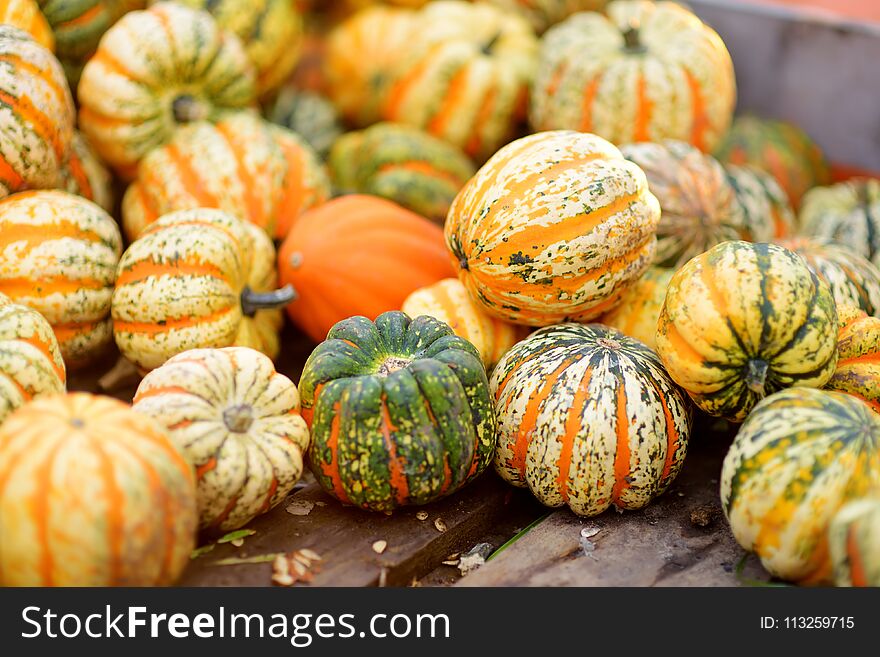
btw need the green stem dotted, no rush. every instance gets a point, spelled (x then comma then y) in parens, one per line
(756, 375)
(252, 301)
(631, 41)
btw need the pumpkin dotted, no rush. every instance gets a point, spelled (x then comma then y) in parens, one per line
(92, 494)
(796, 460)
(26, 15)
(647, 71)
(448, 301)
(699, 206)
(311, 115)
(542, 14)
(854, 543)
(588, 418)
(154, 70)
(246, 442)
(847, 213)
(36, 114)
(242, 165)
(403, 164)
(853, 280)
(85, 175)
(781, 149)
(59, 257)
(357, 255)
(858, 348)
(554, 226)
(465, 77)
(639, 309)
(761, 199)
(399, 411)
(224, 266)
(742, 321)
(30, 362)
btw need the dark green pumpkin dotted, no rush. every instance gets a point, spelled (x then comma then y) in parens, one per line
(399, 411)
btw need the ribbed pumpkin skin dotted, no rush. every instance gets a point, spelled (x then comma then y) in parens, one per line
(588, 418)
(854, 543)
(847, 213)
(858, 348)
(399, 411)
(555, 226)
(761, 198)
(154, 70)
(781, 149)
(853, 280)
(26, 15)
(36, 114)
(242, 165)
(799, 457)
(465, 77)
(448, 301)
(699, 205)
(639, 309)
(92, 494)
(335, 276)
(237, 421)
(402, 164)
(59, 258)
(542, 14)
(310, 115)
(742, 321)
(85, 175)
(589, 80)
(179, 287)
(30, 361)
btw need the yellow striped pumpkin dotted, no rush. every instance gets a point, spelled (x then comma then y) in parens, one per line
(858, 348)
(448, 301)
(742, 321)
(645, 72)
(92, 494)
(762, 199)
(588, 418)
(799, 457)
(854, 543)
(36, 114)
(85, 175)
(26, 15)
(30, 362)
(639, 309)
(555, 226)
(196, 279)
(59, 257)
(156, 69)
(246, 442)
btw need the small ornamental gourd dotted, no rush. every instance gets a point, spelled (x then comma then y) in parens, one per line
(310, 115)
(698, 203)
(854, 543)
(196, 279)
(399, 411)
(92, 494)
(858, 348)
(30, 361)
(799, 457)
(357, 255)
(448, 301)
(742, 321)
(588, 418)
(555, 226)
(761, 198)
(36, 114)
(402, 164)
(645, 72)
(542, 14)
(59, 256)
(639, 309)
(154, 70)
(847, 213)
(237, 421)
(85, 175)
(26, 15)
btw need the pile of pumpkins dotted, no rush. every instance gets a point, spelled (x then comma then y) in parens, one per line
(535, 248)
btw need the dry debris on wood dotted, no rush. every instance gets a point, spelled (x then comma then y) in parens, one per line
(379, 546)
(298, 566)
(300, 507)
(439, 525)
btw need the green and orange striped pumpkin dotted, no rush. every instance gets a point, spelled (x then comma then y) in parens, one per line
(246, 442)
(30, 361)
(799, 457)
(588, 418)
(399, 411)
(26, 15)
(92, 494)
(154, 70)
(646, 71)
(858, 348)
(854, 543)
(59, 257)
(742, 321)
(761, 198)
(36, 114)
(312, 116)
(85, 175)
(555, 226)
(639, 309)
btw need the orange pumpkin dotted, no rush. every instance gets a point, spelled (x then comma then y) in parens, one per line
(26, 15)
(858, 348)
(639, 309)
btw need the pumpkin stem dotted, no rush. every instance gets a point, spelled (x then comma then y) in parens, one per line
(487, 48)
(238, 419)
(252, 301)
(122, 373)
(756, 376)
(187, 108)
(631, 41)
(392, 364)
